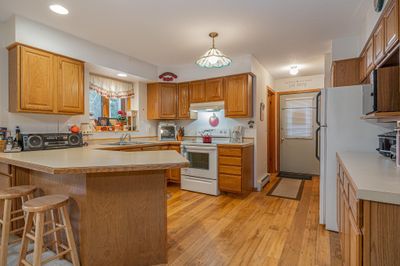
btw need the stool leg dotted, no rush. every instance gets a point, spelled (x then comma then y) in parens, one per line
(55, 234)
(39, 227)
(70, 236)
(5, 234)
(25, 239)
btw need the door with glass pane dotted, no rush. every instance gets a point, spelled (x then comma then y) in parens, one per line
(298, 132)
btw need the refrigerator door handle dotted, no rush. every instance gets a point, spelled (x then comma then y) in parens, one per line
(317, 143)
(318, 109)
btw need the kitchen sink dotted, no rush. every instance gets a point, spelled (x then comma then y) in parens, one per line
(126, 143)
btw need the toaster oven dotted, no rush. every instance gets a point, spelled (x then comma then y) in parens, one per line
(387, 144)
(167, 131)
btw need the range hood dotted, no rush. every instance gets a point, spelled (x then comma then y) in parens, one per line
(208, 106)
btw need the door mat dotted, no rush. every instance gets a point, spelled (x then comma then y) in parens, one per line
(295, 175)
(287, 188)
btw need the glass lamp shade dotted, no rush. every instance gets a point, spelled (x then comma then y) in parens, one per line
(213, 58)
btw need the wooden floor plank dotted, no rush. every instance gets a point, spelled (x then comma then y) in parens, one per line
(255, 230)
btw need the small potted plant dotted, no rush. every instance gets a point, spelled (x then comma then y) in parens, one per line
(122, 119)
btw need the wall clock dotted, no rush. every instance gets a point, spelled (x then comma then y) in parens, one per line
(378, 4)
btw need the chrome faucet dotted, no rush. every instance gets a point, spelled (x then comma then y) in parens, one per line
(123, 137)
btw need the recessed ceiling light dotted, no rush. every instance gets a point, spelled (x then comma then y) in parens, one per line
(122, 75)
(294, 70)
(59, 9)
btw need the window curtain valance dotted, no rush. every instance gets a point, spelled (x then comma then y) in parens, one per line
(111, 88)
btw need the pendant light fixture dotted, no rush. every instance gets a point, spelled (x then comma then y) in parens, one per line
(213, 58)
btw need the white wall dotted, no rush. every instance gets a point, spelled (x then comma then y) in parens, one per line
(31, 33)
(262, 80)
(348, 47)
(299, 83)
(192, 127)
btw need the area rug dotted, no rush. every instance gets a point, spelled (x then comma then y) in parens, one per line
(287, 188)
(295, 175)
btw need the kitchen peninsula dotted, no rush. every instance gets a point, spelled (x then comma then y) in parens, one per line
(118, 199)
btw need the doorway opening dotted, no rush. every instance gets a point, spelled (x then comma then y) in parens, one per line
(292, 132)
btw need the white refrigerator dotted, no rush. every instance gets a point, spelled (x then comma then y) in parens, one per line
(341, 129)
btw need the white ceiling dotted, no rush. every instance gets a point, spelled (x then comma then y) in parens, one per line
(173, 32)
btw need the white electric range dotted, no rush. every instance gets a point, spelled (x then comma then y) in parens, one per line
(202, 173)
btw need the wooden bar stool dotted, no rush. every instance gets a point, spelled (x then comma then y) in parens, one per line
(9, 196)
(36, 209)
(12, 195)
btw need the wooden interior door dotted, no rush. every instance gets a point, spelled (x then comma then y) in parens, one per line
(37, 80)
(183, 101)
(197, 91)
(214, 90)
(70, 98)
(168, 99)
(271, 132)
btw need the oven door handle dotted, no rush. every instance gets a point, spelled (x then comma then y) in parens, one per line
(198, 148)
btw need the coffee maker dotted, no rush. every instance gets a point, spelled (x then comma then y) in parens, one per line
(237, 134)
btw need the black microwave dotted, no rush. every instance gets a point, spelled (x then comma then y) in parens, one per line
(370, 94)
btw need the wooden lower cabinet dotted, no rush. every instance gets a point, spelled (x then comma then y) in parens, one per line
(235, 169)
(369, 231)
(172, 175)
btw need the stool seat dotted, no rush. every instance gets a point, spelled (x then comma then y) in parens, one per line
(45, 203)
(16, 192)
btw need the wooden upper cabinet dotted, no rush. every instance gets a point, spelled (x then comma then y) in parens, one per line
(37, 80)
(346, 72)
(70, 97)
(197, 91)
(214, 90)
(239, 96)
(183, 101)
(43, 82)
(369, 56)
(379, 42)
(168, 94)
(161, 101)
(391, 20)
(153, 101)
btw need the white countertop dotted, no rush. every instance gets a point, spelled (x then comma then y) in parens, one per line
(376, 177)
(89, 160)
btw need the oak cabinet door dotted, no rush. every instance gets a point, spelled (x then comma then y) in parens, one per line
(363, 67)
(168, 98)
(197, 91)
(153, 101)
(391, 19)
(354, 243)
(37, 80)
(369, 56)
(214, 90)
(183, 101)
(379, 42)
(238, 96)
(70, 96)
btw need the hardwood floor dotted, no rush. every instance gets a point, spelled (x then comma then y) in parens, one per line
(256, 230)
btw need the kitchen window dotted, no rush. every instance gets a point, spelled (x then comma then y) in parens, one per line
(107, 96)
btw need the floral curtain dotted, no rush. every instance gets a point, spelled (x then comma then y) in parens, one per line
(111, 88)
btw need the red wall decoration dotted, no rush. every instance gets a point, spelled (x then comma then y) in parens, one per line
(168, 76)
